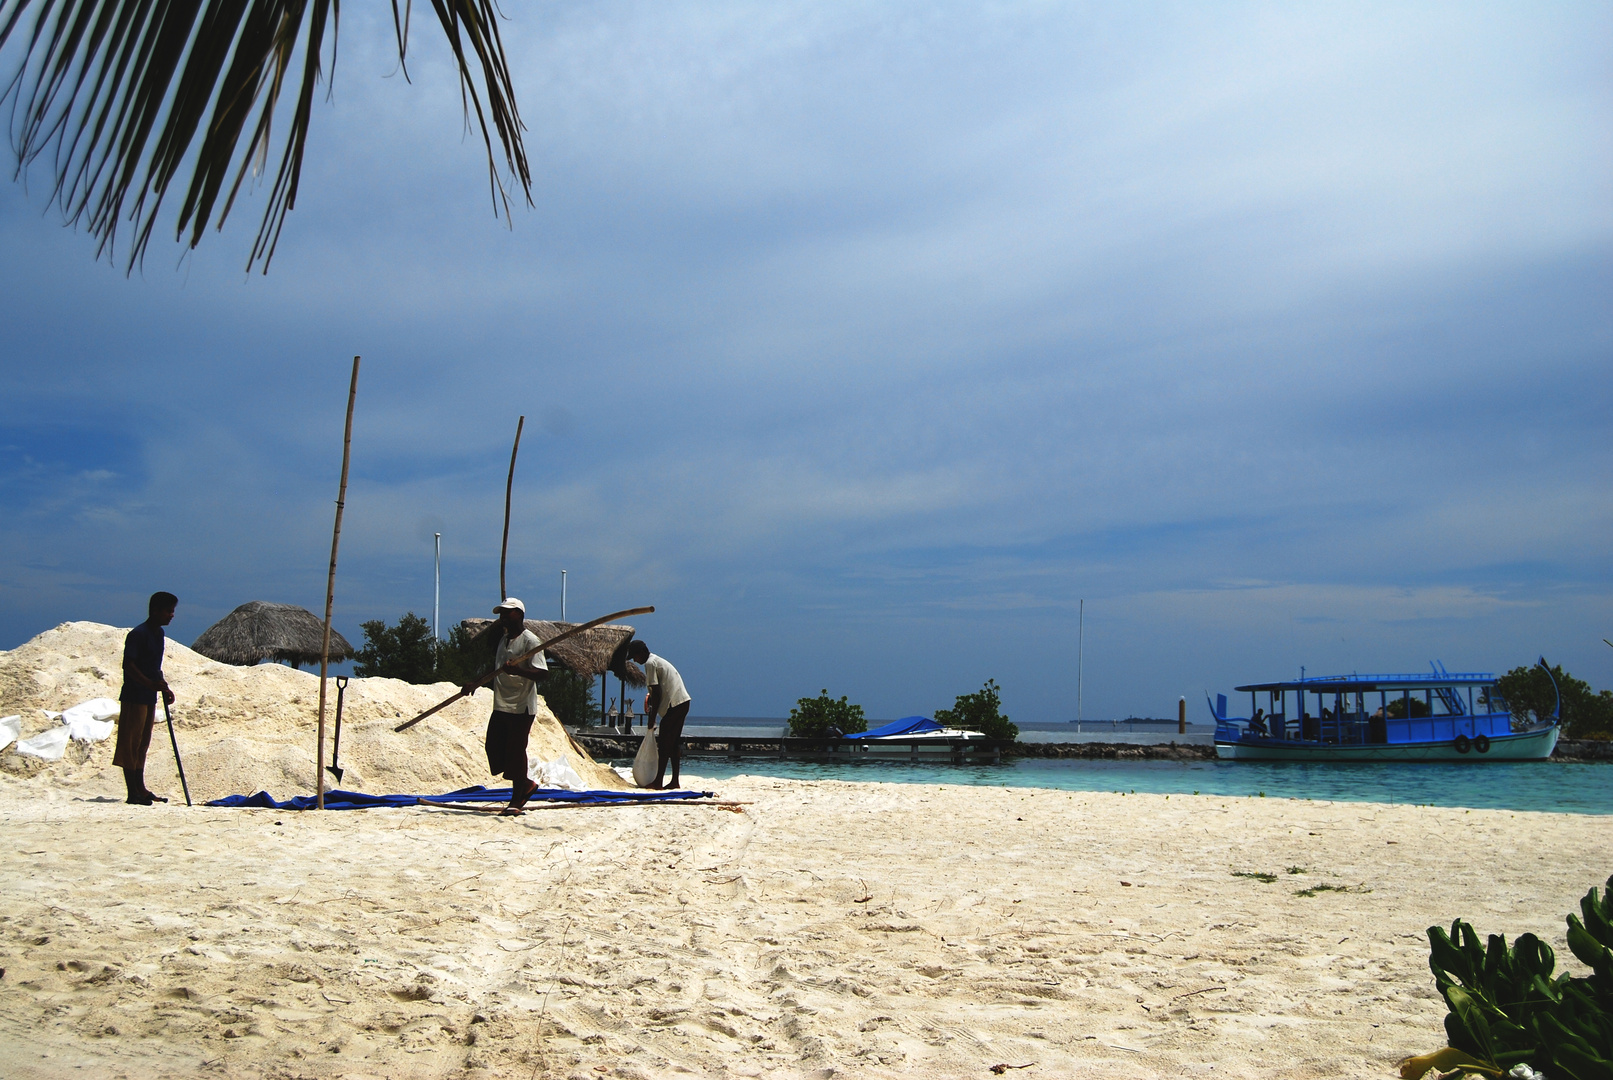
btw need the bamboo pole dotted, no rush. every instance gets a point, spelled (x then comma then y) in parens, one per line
(330, 590)
(509, 483)
(485, 679)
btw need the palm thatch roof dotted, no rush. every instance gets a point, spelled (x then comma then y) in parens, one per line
(592, 652)
(258, 631)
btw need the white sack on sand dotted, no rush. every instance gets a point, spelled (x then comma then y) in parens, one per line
(10, 729)
(49, 745)
(89, 721)
(557, 774)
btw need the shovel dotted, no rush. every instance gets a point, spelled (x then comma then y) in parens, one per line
(336, 748)
(170, 715)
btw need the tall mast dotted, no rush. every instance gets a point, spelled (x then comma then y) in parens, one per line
(1080, 645)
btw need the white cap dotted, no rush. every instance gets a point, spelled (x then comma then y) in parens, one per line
(512, 604)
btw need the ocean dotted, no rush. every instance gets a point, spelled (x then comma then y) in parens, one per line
(1525, 785)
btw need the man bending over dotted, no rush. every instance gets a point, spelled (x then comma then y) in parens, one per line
(667, 699)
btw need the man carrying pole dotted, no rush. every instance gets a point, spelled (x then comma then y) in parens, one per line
(667, 699)
(515, 701)
(142, 682)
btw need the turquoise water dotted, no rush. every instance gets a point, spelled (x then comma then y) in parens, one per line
(1524, 785)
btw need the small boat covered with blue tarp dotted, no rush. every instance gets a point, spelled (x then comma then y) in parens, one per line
(1440, 716)
(912, 727)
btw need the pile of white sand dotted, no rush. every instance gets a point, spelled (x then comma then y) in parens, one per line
(248, 729)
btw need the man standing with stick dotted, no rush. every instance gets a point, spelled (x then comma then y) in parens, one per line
(515, 701)
(142, 682)
(667, 699)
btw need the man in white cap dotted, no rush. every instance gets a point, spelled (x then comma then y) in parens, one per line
(515, 701)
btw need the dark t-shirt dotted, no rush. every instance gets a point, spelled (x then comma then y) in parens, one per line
(142, 651)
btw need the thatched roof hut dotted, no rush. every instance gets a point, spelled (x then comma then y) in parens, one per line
(592, 652)
(258, 631)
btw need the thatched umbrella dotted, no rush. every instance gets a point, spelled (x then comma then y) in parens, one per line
(258, 631)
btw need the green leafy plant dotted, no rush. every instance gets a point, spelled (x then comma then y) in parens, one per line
(1586, 713)
(980, 711)
(570, 696)
(406, 651)
(823, 716)
(1506, 1009)
(1257, 875)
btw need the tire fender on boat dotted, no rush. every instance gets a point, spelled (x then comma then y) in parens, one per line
(1481, 743)
(1463, 743)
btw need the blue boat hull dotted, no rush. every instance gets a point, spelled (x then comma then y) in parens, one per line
(1524, 746)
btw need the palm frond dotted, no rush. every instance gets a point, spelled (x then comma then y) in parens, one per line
(123, 93)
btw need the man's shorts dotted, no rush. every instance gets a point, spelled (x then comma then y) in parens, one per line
(506, 744)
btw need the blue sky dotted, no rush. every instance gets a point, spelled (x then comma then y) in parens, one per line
(865, 340)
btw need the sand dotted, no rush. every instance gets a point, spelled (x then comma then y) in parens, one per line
(823, 929)
(248, 729)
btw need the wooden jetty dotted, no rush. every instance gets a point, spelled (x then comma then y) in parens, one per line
(611, 744)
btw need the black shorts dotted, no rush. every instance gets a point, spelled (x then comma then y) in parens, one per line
(506, 744)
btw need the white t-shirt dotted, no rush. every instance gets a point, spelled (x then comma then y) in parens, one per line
(657, 672)
(511, 693)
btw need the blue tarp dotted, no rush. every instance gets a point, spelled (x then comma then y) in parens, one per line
(908, 725)
(357, 800)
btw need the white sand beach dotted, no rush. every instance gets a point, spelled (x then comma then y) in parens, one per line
(822, 929)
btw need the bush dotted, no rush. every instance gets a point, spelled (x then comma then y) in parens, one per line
(1586, 713)
(462, 658)
(980, 711)
(570, 696)
(1506, 1009)
(406, 651)
(824, 717)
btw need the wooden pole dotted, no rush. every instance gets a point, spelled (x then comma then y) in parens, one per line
(509, 483)
(485, 679)
(1181, 716)
(330, 590)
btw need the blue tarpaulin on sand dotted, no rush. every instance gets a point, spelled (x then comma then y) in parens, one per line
(357, 800)
(908, 725)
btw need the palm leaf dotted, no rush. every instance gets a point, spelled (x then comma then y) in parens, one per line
(125, 95)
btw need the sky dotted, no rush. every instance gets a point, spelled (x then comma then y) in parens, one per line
(867, 342)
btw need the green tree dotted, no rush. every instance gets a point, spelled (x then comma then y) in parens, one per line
(464, 657)
(1396, 709)
(570, 696)
(406, 651)
(122, 97)
(980, 711)
(823, 716)
(1586, 714)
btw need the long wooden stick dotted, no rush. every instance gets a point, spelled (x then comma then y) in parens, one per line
(485, 679)
(330, 591)
(509, 483)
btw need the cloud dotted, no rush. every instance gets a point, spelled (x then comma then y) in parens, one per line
(865, 343)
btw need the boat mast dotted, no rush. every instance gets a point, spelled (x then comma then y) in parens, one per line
(1080, 643)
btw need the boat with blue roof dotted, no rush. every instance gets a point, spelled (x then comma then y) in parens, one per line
(1441, 716)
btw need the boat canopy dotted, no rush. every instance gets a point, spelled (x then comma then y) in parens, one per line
(908, 725)
(1327, 684)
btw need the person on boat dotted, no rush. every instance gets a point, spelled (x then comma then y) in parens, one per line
(515, 702)
(142, 682)
(1257, 722)
(665, 698)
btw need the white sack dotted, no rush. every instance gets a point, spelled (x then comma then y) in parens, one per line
(50, 745)
(646, 760)
(10, 728)
(557, 774)
(89, 721)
